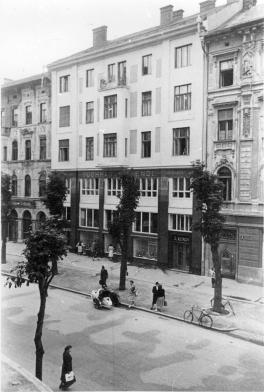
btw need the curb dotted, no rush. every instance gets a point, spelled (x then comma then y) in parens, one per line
(40, 386)
(229, 331)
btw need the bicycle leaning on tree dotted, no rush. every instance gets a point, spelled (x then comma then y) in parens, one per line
(200, 315)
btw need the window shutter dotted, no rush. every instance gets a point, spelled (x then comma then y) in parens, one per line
(80, 112)
(158, 100)
(98, 109)
(80, 146)
(158, 68)
(133, 141)
(157, 139)
(133, 73)
(133, 104)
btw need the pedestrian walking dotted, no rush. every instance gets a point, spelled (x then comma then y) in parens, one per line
(110, 251)
(160, 298)
(154, 295)
(103, 277)
(67, 374)
(212, 274)
(132, 294)
(79, 247)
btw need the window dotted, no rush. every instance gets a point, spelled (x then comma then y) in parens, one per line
(180, 222)
(226, 73)
(146, 103)
(90, 186)
(64, 116)
(43, 112)
(89, 217)
(63, 150)
(225, 124)
(14, 116)
(28, 150)
(181, 187)
(225, 177)
(146, 64)
(183, 56)
(181, 141)
(110, 106)
(42, 147)
(42, 185)
(90, 78)
(111, 72)
(109, 216)
(148, 187)
(3, 123)
(110, 145)
(14, 150)
(114, 186)
(126, 107)
(14, 185)
(64, 83)
(89, 112)
(146, 222)
(27, 185)
(145, 248)
(5, 153)
(122, 73)
(146, 144)
(29, 114)
(182, 97)
(67, 213)
(89, 156)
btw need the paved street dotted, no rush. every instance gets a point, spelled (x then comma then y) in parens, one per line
(125, 349)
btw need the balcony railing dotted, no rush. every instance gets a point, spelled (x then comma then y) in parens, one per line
(111, 84)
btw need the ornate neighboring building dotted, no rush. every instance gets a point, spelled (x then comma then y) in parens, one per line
(235, 137)
(26, 141)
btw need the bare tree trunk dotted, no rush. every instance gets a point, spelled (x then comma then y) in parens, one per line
(4, 234)
(123, 266)
(218, 307)
(38, 333)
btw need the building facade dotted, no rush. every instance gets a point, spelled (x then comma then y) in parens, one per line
(26, 141)
(235, 136)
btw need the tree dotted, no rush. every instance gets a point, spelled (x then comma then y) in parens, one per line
(5, 210)
(44, 248)
(208, 191)
(56, 192)
(121, 226)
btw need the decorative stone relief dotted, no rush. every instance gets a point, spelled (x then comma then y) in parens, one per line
(246, 122)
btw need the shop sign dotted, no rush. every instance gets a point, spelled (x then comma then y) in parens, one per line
(181, 239)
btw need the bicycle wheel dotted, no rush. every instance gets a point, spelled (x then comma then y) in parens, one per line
(188, 316)
(206, 321)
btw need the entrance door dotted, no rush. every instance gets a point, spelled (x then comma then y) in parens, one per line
(228, 263)
(181, 256)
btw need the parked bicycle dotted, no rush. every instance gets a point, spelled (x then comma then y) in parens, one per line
(200, 315)
(225, 303)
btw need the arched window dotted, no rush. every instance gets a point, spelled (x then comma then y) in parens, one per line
(40, 218)
(42, 185)
(225, 177)
(14, 185)
(27, 222)
(27, 185)
(14, 150)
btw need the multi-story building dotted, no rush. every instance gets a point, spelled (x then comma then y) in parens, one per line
(134, 103)
(235, 137)
(26, 141)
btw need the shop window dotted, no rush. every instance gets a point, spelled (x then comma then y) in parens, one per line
(144, 248)
(89, 217)
(90, 186)
(114, 186)
(179, 222)
(225, 177)
(148, 187)
(181, 187)
(146, 222)
(226, 73)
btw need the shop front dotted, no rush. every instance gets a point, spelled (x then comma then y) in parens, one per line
(180, 250)
(145, 249)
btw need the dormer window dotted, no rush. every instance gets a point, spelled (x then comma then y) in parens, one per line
(226, 73)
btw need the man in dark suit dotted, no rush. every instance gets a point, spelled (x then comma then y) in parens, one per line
(154, 298)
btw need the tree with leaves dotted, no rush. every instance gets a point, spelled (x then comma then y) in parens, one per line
(44, 247)
(121, 226)
(5, 211)
(56, 192)
(208, 191)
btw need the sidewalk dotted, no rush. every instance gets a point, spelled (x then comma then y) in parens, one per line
(183, 290)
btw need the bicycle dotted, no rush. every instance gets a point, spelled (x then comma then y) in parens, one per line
(204, 319)
(225, 302)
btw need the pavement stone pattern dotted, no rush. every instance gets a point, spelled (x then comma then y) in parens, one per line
(82, 273)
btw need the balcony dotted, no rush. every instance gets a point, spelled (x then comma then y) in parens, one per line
(105, 84)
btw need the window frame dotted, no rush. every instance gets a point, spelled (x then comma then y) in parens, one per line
(222, 73)
(146, 103)
(89, 148)
(111, 72)
(121, 73)
(64, 151)
(28, 151)
(90, 77)
(42, 147)
(181, 188)
(14, 150)
(43, 113)
(146, 144)
(225, 127)
(176, 141)
(89, 112)
(113, 186)
(90, 186)
(178, 56)
(143, 225)
(42, 185)
(110, 145)
(180, 222)
(28, 114)
(14, 185)
(86, 212)
(14, 116)
(110, 106)
(27, 185)
(64, 84)
(227, 182)
(64, 116)
(182, 100)
(148, 187)
(147, 64)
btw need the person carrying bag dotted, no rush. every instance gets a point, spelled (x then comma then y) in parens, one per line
(67, 374)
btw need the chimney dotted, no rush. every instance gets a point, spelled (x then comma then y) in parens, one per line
(166, 15)
(248, 4)
(206, 6)
(99, 36)
(178, 14)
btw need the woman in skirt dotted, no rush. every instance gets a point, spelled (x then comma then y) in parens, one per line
(160, 298)
(66, 369)
(132, 293)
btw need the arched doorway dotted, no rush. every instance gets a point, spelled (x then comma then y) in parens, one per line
(27, 222)
(12, 227)
(40, 218)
